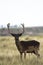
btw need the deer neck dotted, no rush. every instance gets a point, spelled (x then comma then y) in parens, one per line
(18, 44)
(17, 41)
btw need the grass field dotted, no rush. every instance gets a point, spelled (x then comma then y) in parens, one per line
(9, 54)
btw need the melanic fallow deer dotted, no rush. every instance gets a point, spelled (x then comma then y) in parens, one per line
(31, 46)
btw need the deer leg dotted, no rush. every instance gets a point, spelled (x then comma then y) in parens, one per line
(36, 53)
(21, 56)
(24, 55)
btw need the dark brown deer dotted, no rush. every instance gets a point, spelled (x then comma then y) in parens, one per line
(31, 46)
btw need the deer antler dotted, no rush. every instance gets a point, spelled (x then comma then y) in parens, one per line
(23, 27)
(8, 25)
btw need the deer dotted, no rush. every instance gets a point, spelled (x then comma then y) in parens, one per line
(31, 46)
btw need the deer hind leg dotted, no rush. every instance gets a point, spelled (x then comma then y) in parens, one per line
(36, 53)
(24, 55)
(21, 56)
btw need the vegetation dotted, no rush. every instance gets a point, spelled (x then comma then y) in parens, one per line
(9, 55)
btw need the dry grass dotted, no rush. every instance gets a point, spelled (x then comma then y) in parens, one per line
(9, 54)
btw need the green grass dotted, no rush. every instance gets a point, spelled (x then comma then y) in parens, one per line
(9, 55)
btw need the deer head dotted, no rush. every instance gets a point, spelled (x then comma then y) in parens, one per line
(14, 34)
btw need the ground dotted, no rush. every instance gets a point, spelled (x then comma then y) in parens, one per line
(9, 55)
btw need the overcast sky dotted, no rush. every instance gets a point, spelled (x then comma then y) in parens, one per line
(29, 12)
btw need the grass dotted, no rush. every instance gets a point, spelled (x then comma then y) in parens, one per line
(9, 55)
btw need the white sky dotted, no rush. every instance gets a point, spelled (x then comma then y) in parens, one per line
(29, 12)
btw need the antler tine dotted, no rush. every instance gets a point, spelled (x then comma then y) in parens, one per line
(8, 25)
(23, 27)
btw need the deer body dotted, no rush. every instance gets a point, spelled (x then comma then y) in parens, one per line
(31, 46)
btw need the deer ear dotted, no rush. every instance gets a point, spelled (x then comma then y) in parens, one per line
(12, 34)
(20, 34)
